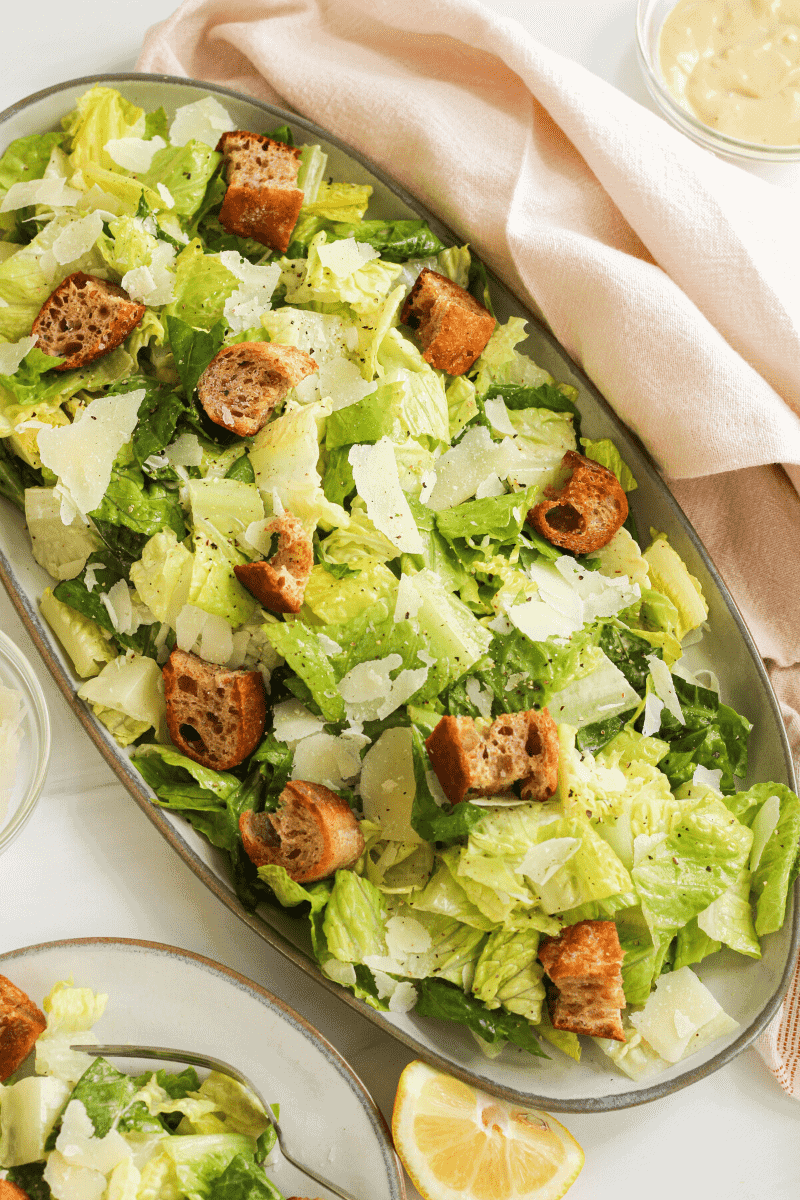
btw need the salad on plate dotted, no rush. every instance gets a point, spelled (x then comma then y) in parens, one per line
(80, 1129)
(337, 561)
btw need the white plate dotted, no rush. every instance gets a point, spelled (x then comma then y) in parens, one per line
(161, 996)
(749, 990)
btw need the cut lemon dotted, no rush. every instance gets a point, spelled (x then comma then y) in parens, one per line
(458, 1143)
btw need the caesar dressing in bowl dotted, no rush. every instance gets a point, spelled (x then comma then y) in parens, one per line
(726, 72)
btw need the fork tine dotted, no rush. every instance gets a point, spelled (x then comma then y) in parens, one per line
(192, 1059)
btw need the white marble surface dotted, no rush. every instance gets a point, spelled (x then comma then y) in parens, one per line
(89, 863)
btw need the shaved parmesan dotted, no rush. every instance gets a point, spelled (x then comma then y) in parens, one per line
(82, 454)
(491, 486)
(406, 935)
(539, 621)
(345, 256)
(378, 484)
(78, 1183)
(153, 284)
(54, 193)
(244, 307)
(166, 194)
(481, 697)
(203, 121)
(133, 686)
(185, 451)
(653, 707)
(132, 153)
(679, 1009)
(371, 694)
(292, 722)
(77, 239)
(338, 380)
(81, 1146)
(403, 998)
(764, 825)
(388, 786)
(332, 761)
(707, 778)
(498, 416)
(12, 354)
(664, 687)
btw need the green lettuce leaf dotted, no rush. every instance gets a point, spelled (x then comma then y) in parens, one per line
(445, 1001)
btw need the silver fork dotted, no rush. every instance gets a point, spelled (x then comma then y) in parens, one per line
(189, 1058)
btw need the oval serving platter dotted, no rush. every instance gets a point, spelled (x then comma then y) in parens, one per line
(162, 996)
(749, 990)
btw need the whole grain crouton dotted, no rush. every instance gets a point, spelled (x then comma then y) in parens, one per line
(312, 833)
(244, 383)
(21, 1022)
(586, 512)
(516, 748)
(280, 581)
(452, 327)
(583, 963)
(214, 715)
(11, 1191)
(262, 200)
(83, 319)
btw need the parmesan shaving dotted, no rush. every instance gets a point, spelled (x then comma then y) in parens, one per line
(203, 121)
(378, 484)
(12, 354)
(132, 153)
(82, 454)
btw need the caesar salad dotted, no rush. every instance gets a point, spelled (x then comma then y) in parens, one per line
(80, 1128)
(336, 560)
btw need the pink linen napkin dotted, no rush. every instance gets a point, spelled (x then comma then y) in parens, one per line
(670, 276)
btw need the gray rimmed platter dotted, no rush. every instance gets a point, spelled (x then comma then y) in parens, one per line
(751, 991)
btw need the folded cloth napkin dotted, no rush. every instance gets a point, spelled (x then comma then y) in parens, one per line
(670, 276)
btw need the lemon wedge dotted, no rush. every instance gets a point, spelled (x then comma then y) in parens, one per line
(458, 1143)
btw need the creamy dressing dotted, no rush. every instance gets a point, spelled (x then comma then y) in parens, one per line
(735, 65)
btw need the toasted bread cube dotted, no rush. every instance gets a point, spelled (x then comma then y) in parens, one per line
(21, 1022)
(262, 200)
(280, 581)
(214, 715)
(452, 327)
(515, 748)
(584, 963)
(11, 1191)
(243, 384)
(312, 833)
(586, 512)
(83, 319)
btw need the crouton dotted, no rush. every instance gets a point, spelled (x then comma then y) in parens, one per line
(244, 383)
(214, 715)
(452, 327)
(280, 581)
(583, 964)
(586, 512)
(11, 1191)
(516, 748)
(262, 200)
(21, 1022)
(312, 833)
(83, 319)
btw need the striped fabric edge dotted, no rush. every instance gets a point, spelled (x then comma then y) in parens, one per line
(779, 1044)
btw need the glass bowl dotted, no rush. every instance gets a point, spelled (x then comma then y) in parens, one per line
(34, 748)
(650, 17)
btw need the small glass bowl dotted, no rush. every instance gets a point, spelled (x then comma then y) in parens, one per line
(34, 750)
(650, 17)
